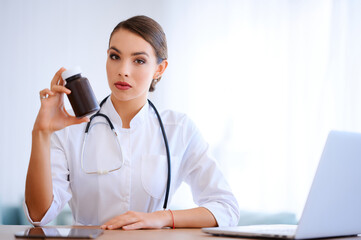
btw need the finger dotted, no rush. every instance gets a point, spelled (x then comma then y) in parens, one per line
(83, 119)
(122, 222)
(104, 226)
(74, 120)
(60, 89)
(57, 79)
(45, 93)
(137, 225)
(112, 221)
(61, 81)
(117, 218)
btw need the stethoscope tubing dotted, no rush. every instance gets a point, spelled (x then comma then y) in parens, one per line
(168, 154)
(98, 114)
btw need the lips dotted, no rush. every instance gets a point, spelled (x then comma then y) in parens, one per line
(122, 85)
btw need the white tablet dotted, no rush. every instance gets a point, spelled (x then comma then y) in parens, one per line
(59, 232)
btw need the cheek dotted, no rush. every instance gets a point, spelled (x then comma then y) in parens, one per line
(112, 71)
(143, 74)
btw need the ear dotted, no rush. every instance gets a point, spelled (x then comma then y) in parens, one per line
(160, 69)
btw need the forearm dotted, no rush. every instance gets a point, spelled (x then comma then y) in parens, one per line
(38, 188)
(194, 218)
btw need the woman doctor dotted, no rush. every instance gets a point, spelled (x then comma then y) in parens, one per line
(130, 197)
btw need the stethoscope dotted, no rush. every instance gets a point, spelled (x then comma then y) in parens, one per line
(102, 172)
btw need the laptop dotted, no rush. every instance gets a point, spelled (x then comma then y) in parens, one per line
(333, 206)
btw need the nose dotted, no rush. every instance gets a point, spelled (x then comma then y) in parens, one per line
(123, 69)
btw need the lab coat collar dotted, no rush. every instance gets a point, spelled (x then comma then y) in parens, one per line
(109, 110)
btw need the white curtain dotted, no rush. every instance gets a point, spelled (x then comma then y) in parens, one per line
(264, 80)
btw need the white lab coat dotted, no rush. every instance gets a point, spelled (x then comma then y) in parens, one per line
(141, 182)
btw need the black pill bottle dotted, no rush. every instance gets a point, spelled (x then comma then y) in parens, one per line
(81, 98)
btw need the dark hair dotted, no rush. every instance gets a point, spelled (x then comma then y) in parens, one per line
(151, 32)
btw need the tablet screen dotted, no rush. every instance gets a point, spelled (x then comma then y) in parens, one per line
(53, 232)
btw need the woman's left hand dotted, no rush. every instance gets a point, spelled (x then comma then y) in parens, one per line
(138, 220)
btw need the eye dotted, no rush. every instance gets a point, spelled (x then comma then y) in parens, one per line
(139, 61)
(113, 56)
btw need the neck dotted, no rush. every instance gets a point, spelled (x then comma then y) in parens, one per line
(127, 109)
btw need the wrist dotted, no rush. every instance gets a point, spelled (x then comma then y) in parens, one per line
(172, 215)
(41, 133)
(167, 220)
(41, 127)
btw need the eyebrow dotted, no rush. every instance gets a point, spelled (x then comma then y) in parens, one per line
(133, 54)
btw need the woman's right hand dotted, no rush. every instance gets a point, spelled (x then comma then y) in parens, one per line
(52, 115)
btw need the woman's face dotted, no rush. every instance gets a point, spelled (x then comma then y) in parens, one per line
(131, 66)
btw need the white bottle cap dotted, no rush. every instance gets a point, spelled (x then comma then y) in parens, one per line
(71, 72)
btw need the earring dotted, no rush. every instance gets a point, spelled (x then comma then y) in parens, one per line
(155, 81)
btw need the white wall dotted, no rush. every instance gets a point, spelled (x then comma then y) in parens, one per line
(37, 38)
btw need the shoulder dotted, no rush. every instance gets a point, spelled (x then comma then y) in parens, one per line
(171, 117)
(181, 126)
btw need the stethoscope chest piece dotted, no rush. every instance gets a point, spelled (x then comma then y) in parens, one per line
(90, 125)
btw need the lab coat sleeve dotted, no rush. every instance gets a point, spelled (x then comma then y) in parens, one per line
(60, 172)
(208, 184)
